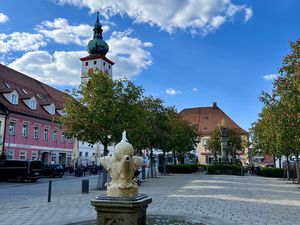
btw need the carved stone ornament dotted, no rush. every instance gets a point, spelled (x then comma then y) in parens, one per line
(121, 167)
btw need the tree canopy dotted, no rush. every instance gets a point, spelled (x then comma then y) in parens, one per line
(277, 130)
(102, 108)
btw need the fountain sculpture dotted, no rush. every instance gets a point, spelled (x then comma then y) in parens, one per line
(123, 204)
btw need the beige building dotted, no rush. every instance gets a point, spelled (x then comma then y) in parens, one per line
(206, 120)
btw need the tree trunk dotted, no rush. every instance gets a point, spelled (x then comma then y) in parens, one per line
(102, 180)
(279, 160)
(298, 170)
(174, 157)
(274, 161)
(164, 163)
(151, 162)
(287, 168)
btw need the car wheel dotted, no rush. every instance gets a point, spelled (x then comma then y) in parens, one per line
(20, 179)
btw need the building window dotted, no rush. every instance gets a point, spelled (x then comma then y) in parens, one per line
(103, 63)
(46, 132)
(86, 154)
(25, 92)
(52, 110)
(34, 156)
(14, 98)
(86, 63)
(95, 62)
(32, 104)
(36, 132)
(10, 154)
(24, 130)
(204, 142)
(108, 66)
(53, 157)
(54, 136)
(63, 138)
(40, 97)
(12, 128)
(7, 85)
(23, 155)
(80, 153)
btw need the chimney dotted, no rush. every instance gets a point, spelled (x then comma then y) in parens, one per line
(215, 105)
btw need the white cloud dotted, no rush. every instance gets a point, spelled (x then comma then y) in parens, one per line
(129, 54)
(61, 68)
(60, 31)
(172, 91)
(64, 68)
(196, 16)
(21, 42)
(248, 14)
(195, 89)
(3, 18)
(270, 76)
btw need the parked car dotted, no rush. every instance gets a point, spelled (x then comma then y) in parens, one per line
(21, 170)
(54, 170)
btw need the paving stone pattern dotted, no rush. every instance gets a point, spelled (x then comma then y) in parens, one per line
(209, 199)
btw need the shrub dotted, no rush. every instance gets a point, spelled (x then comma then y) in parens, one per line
(179, 168)
(273, 172)
(227, 169)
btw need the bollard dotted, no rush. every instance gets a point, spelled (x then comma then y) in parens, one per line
(143, 173)
(85, 186)
(49, 190)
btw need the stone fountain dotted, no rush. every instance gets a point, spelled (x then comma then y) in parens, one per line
(122, 205)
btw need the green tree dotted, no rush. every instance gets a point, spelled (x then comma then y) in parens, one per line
(101, 109)
(278, 126)
(235, 143)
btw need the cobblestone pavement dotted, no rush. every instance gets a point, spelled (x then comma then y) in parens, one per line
(210, 199)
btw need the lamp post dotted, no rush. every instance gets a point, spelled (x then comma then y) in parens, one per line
(10, 128)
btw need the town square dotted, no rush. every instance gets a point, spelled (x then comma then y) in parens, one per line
(149, 112)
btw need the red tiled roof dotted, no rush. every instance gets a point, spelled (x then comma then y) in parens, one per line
(207, 119)
(19, 81)
(89, 57)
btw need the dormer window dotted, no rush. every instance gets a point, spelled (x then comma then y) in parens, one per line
(32, 103)
(6, 85)
(14, 98)
(40, 97)
(25, 92)
(50, 108)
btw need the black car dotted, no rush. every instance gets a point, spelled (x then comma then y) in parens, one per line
(54, 170)
(21, 170)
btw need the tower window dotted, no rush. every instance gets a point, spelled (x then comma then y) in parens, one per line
(86, 63)
(95, 62)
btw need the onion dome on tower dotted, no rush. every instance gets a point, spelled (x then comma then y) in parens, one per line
(96, 60)
(97, 46)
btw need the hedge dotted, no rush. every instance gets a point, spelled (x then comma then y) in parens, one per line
(179, 168)
(227, 169)
(272, 172)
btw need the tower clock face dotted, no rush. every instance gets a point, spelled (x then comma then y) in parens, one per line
(90, 71)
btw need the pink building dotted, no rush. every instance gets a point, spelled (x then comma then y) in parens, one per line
(29, 112)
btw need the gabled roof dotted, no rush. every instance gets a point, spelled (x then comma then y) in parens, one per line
(19, 81)
(207, 119)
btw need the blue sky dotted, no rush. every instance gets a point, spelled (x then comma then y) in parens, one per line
(188, 53)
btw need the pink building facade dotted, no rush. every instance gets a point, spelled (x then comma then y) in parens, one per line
(29, 114)
(34, 139)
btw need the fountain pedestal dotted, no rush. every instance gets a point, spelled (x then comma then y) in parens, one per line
(121, 210)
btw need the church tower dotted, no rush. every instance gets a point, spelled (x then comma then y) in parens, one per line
(97, 49)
